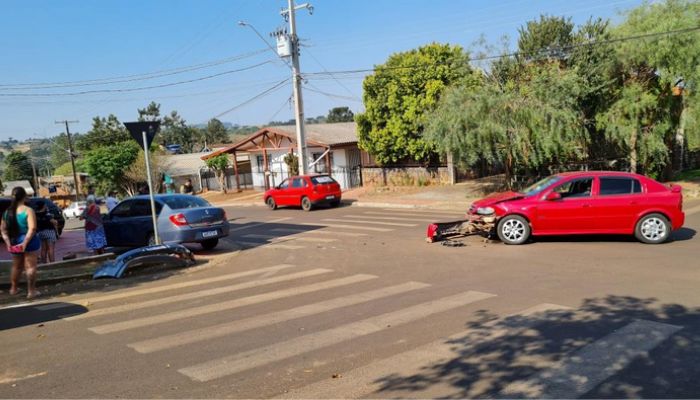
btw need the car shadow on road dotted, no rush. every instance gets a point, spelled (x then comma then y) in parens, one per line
(34, 314)
(553, 353)
(679, 235)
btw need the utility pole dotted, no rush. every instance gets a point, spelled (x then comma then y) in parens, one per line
(36, 180)
(289, 15)
(72, 156)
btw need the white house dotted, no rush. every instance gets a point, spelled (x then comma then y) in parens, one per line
(332, 148)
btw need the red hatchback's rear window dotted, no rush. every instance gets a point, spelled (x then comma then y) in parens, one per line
(322, 180)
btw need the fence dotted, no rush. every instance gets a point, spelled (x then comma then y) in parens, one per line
(210, 181)
(404, 176)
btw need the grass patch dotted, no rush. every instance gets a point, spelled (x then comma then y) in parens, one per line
(690, 175)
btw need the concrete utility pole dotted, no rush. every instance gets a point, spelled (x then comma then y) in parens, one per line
(72, 156)
(289, 14)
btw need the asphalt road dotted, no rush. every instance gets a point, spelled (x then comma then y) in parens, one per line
(351, 302)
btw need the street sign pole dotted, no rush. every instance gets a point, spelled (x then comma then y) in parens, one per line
(143, 133)
(156, 236)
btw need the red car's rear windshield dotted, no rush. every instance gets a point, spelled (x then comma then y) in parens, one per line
(322, 180)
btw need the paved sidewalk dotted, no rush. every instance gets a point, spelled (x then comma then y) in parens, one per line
(71, 242)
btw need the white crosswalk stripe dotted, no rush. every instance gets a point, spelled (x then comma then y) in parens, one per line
(369, 222)
(229, 305)
(181, 285)
(200, 294)
(365, 380)
(434, 217)
(594, 363)
(211, 332)
(422, 211)
(341, 226)
(269, 245)
(274, 239)
(276, 352)
(398, 219)
(318, 231)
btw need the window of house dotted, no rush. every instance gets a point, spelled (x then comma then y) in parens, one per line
(260, 162)
(619, 185)
(320, 167)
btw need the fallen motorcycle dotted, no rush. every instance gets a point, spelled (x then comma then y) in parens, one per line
(471, 225)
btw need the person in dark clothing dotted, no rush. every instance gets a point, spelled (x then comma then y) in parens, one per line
(46, 232)
(187, 188)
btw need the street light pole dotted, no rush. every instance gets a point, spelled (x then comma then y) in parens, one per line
(72, 156)
(156, 235)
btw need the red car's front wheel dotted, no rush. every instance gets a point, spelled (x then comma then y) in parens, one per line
(271, 203)
(513, 229)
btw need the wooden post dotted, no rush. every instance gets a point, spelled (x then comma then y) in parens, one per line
(265, 175)
(235, 171)
(451, 172)
(328, 162)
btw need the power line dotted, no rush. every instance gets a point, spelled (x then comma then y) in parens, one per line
(333, 76)
(134, 89)
(314, 89)
(252, 99)
(128, 78)
(513, 54)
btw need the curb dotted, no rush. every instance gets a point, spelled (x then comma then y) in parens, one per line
(71, 269)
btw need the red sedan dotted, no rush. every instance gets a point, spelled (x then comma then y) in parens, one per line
(306, 191)
(586, 203)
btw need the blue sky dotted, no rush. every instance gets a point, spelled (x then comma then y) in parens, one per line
(50, 41)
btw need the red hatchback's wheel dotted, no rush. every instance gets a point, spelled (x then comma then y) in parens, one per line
(271, 203)
(306, 204)
(653, 229)
(513, 229)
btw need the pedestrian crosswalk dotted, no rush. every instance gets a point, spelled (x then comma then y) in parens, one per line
(390, 309)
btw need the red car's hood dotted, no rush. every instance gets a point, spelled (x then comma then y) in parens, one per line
(498, 198)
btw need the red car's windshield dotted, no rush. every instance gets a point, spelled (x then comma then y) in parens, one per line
(540, 185)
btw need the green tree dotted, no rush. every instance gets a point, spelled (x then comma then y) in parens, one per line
(219, 165)
(292, 162)
(106, 165)
(215, 132)
(523, 129)
(17, 167)
(150, 112)
(104, 132)
(547, 38)
(175, 130)
(399, 96)
(340, 114)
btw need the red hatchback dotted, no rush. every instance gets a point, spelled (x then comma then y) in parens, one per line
(306, 191)
(586, 203)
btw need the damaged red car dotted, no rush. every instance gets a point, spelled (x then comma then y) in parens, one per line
(577, 203)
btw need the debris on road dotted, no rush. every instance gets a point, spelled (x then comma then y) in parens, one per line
(472, 225)
(171, 255)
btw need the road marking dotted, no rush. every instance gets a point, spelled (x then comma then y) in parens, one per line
(229, 305)
(201, 294)
(275, 239)
(434, 217)
(246, 360)
(8, 378)
(594, 363)
(211, 332)
(181, 285)
(270, 245)
(367, 228)
(259, 224)
(322, 232)
(390, 218)
(364, 381)
(369, 222)
(414, 210)
(692, 211)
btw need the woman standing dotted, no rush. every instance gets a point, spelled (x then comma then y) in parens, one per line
(18, 231)
(94, 229)
(46, 231)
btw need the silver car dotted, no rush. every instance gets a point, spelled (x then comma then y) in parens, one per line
(181, 218)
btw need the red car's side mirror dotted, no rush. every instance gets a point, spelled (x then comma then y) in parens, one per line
(553, 196)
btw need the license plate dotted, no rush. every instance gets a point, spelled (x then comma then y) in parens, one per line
(330, 197)
(209, 234)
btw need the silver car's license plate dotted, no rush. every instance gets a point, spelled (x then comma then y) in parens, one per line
(209, 234)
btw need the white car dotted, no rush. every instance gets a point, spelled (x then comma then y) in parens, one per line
(75, 210)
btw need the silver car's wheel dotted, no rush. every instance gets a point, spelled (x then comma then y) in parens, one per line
(653, 229)
(513, 229)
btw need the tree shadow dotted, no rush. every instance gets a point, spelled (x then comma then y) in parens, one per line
(518, 356)
(33, 314)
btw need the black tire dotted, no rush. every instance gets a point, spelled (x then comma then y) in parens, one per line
(513, 229)
(209, 244)
(306, 204)
(271, 204)
(335, 203)
(653, 229)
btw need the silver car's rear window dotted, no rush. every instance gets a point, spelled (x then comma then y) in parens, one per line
(180, 202)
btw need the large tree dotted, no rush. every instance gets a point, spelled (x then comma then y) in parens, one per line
(150, 113)
(340, 114)
(104, 132)
(174, 130)
(106, 165)
(215, 132)
(17, 167)
(399, 96)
